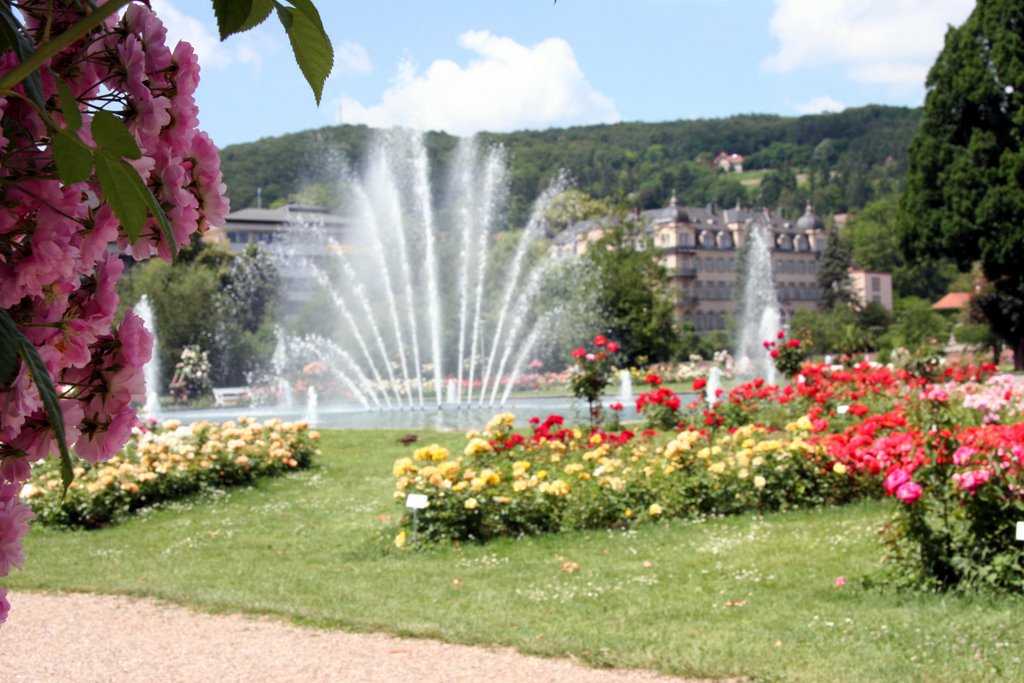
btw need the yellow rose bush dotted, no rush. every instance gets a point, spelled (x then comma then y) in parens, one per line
(169, 463)
(558, 479)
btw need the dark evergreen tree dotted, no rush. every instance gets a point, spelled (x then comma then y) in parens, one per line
(965, 188)
(834, 286)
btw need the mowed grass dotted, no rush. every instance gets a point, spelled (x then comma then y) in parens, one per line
(749, 596)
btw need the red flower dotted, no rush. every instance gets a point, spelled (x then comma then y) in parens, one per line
(615, 406)
(653, 378)
(612, 347)
(699, 383)
(579, 353)
(774, 353)
(793, 344)
(780, 335)
(600, 340)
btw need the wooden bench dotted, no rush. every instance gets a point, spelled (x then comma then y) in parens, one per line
(230, 396)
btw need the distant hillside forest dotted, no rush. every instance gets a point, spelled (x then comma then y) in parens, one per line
(839, 161)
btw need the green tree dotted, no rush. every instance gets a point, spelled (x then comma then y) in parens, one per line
(635, 307)
(834, 286)
(965, 195)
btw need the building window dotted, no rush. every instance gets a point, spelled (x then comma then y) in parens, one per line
(876, 283)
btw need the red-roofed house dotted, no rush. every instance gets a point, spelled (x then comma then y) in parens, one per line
(729, 162)
(954, 301)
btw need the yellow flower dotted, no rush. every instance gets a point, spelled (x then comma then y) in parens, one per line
(403, 466)
(400, 539)
(654, 510)
(432, 452)
(471, 504)
(476, 446)
(839, 468)
(461, 486)
(628, 512)
(760, 482)
(717, 467)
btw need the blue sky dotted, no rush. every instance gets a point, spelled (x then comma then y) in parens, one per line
(499, 65)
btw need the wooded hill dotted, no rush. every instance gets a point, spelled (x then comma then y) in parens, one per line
(840, 161)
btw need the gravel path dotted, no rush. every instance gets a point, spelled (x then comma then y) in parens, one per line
(83, 637)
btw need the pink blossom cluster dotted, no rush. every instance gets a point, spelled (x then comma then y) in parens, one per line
(997, 395)
(58, 267)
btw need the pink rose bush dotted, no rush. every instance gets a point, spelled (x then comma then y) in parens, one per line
(61, 151)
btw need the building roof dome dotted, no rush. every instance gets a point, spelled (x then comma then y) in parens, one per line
(810, 220)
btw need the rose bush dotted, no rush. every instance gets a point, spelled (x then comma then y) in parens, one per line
(167, 464)
(950, 454)
(591, 373)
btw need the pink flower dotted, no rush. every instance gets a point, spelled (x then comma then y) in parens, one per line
(101, 443)
(136, 341)
(591, 357)
(909, 492)
(962, 455)
(14, 518)
(894, 480)
(5, 605)
(972, 479)
(840, 581)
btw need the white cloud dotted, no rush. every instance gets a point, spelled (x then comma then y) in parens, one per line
(352, 58)
(204, 40)
(506, 86)
(886, 42)
(819, 104)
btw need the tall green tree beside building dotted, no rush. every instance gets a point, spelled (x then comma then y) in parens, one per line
(834, 286)
(632, 299)
(965, 188)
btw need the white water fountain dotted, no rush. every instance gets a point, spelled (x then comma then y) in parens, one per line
(425, 321)
(625, 387)
(711, 388)
(312, 415)
(151, 372)
(760, 320)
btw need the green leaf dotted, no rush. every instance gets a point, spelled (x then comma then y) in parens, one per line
(309, 10)
(231, 15)
(130, 199)
(11, 29)
(12, 338)
(72, 156)
(311, 46)
(8, 349)
(121, 188)
(261, 9)
(68, 106)
(111, 135)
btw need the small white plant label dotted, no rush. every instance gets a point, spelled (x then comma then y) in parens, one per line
(416, 501)
(1020, 531)
(841, 410)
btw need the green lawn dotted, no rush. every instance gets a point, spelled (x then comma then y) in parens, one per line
(742, 596)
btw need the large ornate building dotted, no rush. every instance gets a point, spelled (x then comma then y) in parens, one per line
(698, 247)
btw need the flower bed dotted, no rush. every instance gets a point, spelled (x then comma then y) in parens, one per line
(167, 464)
(948, 447)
